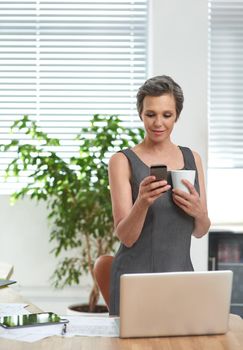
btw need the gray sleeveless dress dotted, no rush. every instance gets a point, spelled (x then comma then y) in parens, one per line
(165, 240)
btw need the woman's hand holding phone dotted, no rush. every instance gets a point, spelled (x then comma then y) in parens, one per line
(154, 185)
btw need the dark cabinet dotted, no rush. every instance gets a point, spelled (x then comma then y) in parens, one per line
(226, 253)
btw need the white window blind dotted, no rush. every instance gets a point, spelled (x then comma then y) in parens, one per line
(63, 61)
(225, 84)
(225, 171)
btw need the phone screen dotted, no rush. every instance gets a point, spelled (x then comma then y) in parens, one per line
(159, 171)
(31, 320)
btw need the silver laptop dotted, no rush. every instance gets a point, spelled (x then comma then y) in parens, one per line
(177, 303)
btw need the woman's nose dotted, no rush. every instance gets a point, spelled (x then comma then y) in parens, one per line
(158, 121)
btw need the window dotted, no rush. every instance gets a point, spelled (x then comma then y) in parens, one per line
(225, 174)
(63, 61)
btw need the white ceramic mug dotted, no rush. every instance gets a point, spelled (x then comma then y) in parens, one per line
(178, 175)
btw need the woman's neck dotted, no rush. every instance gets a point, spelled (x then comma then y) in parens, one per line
(164, 147)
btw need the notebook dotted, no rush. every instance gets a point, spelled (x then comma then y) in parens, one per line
(4, 283)
(176, 303)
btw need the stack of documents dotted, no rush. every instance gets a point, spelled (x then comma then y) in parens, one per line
(31, 334)
(101, 326)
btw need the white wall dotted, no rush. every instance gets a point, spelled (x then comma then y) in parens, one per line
(178, 47)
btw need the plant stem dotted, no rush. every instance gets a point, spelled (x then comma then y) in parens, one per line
(94, 295)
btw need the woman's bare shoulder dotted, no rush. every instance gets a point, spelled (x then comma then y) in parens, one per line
(197, 157)
(119, 170)
(118, 158)
(119, 164)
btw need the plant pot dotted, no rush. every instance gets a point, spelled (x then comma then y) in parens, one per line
(78, 309)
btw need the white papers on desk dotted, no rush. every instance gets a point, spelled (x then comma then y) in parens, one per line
(99, 326)
(90, 326)
(13, 309)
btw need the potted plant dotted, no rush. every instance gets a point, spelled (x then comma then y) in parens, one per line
(76, 190)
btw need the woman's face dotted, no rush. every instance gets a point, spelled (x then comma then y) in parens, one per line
(159, 116)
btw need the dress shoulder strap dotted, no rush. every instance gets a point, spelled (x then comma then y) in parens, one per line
(135, 162)
(189, 160)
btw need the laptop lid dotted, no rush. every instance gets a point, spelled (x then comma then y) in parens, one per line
(177, 303)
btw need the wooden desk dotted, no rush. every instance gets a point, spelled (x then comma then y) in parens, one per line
(233, 340)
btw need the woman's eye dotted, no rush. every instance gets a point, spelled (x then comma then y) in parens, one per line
(149, 114)
(167, 115)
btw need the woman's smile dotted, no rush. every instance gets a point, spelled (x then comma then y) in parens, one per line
(159, 132)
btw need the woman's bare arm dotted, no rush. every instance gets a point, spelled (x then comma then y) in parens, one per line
(193, 204)
(202, 221)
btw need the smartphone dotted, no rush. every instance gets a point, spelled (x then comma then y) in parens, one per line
(159, 171)
(29, 320)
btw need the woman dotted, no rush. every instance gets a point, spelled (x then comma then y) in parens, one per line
(153, 221)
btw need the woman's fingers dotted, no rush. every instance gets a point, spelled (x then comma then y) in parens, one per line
(189, 202)
(190, 187)
(151, 189)
(150, 183)
(158, 191)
